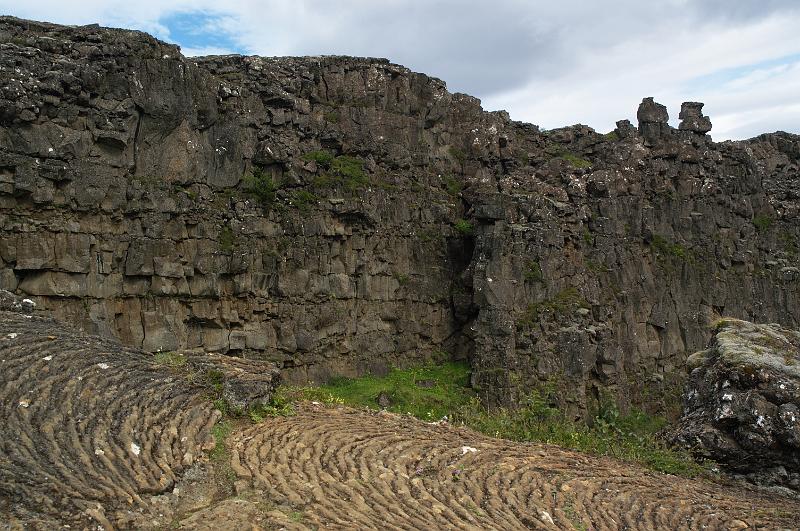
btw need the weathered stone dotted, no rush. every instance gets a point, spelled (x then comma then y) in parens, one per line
(692, 118)
(742, 402)
(653, 118)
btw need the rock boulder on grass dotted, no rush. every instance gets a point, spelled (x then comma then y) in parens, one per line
(742, 404)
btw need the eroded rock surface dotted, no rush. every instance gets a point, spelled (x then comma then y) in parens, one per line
(96, 435)
(91, 429)
(692, 118)
(395, 222)
(743, 402)
(337, 468)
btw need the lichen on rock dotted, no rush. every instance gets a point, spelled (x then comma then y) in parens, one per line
(743, 402)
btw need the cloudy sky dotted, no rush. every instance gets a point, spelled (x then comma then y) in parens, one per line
(551, 63)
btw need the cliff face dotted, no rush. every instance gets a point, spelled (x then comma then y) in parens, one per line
(339, 215)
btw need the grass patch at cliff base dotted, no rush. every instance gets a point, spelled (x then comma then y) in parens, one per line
(436, 391)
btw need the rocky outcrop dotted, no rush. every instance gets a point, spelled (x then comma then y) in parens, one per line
(653, 120)
(743, 402)
(338, 216)
(692, 118)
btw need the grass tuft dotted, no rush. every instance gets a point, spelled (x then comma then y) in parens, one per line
(172, 360)
(261, 186)
(464, 227)
(762, 222)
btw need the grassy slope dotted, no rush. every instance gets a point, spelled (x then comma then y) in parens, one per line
(433, 392)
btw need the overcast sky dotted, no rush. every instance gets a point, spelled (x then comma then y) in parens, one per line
(551, 63)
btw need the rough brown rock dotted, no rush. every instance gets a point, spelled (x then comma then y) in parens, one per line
(692, 118)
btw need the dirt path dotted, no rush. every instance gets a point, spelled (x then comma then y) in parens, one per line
(338, 468)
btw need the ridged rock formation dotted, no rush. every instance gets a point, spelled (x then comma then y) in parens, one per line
(91, 429)
(743, 402)
(339, 215)
(401, 473)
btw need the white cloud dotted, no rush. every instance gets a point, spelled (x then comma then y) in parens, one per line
(551, 63)
(608, 83)
(207, 50)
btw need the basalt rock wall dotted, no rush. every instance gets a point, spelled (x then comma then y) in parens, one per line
(340, 215)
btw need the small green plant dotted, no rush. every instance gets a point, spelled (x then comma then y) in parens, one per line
(332, 117)
(220, 456)
(261, 186)
(458, 154)
(597, 267)
(185, 190)
(565, 302)
(226, 239)
(452, 185)
(401, 278)
(303, 199)
(762, 222)
(562, 153)
(533, 272)
(221, 431)
(279, 406)
(350, 169)
(575, 160)
(321, 157)
(170, 359)
(342, 170)
(296, 516)
(666, 248)
(464, 227)
(587, 237)
(611, 136)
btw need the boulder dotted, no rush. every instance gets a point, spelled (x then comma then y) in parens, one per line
(692, 118)
(653, 118)
(742, 402)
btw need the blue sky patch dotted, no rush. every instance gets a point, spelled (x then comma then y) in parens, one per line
(722, 77)
(201, 30)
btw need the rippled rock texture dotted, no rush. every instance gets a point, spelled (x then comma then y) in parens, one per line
(743, 402)
(345, 469)
(339, 216)
(96, 435)
(91, 429)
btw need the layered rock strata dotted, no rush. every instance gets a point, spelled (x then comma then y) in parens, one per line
(339, 215)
